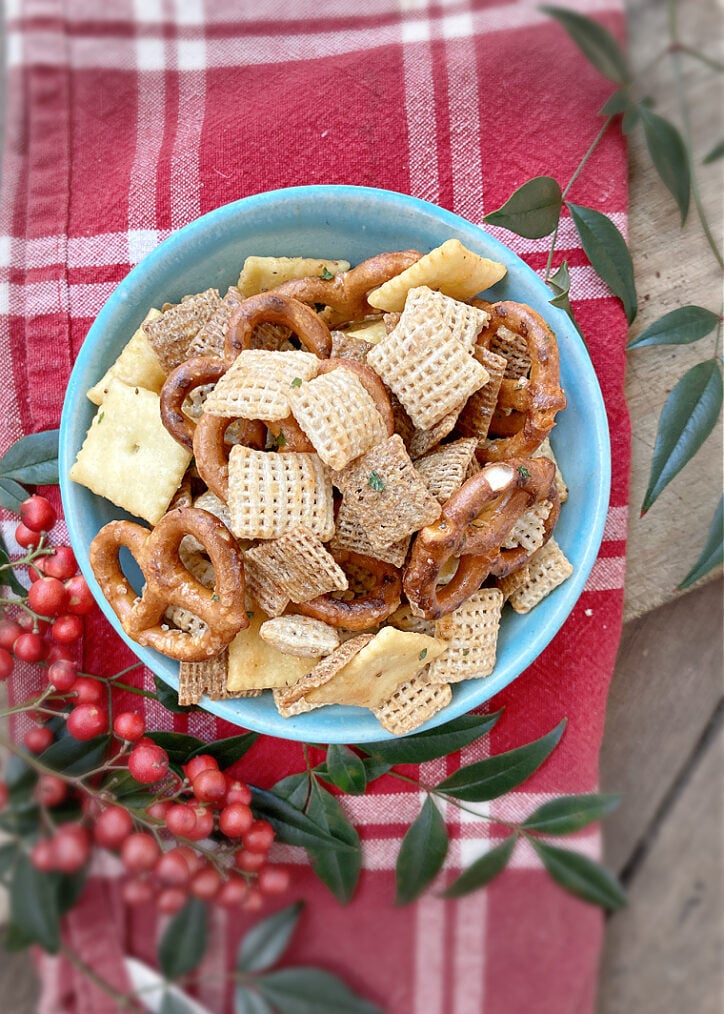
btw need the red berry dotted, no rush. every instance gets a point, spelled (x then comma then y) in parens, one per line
(41, 856)
(273, 880)
(259, 837)
(148, 763)
(172, 869)
(62, 564)
(33, 624)
(233, 892)
(237, 792)
(25, 537)
(38, 739)
(4, 795)
(194, 861)
(249, 862)
(48, 596)
(50, 790)
(6, 663)
(10, 631)
(204, 762)
(30, 647)
(140, 852)
(209, 786)
(67, 629)
(206, 884)
(204, 823)
(159, 809)
(87, 721)
(136, 891)
(71, 848)
(62, 675)
(171, 899)
(253, 900)
(37, 514)
(80, 597)
(112, 827)
(235, 820)
(129, 725)
(181, 820)
(88, 690)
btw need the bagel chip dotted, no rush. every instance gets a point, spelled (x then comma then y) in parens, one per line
(300, 635)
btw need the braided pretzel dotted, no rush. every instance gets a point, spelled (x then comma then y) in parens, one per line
(474, 523)
(540, 398)
(359, 613)
(193, 373)
(275, 307)
(345, 295)
(169, 583)
(211, 453)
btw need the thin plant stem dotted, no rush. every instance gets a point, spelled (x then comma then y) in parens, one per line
(431, 790)
(125, 1001)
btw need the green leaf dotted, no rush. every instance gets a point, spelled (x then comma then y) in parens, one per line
(68, 889)
(434, 743)
(560, 280)
(126, 789)
(12, 495)
(169, 698)
(493, 777)
(183, 943)
(174, 1001)
(346, 770)
(606, 249)
(294, 788)
(228, 751)
(421, 854)
(689, 415)
(32, 459)
(620, 102)
(375, 768)
(581, 876)
(483, 870)
(248, 1002)
(311, 991)
(683, 326)
(33, 905)
(338, 869)
(178, 745)
(715, 154)
(15, 939)
(75, 756)
(669, 156)
(532, 210)
(570, 813)
(292, 826)
(595, 42)
(7, 577)
(265, 942)
(9, 852)
(712, 555)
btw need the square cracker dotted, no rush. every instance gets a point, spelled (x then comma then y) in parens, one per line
(208, 677)
(171, 335)
(138, 365)
(256, 665)
(471, 633)
(292, 701)
(386, 495)
(547, 569)
(259, 383)
(128, 456)
(412, 704)
(270, 493)
(443, 471)
(259, 274)
(298, 564)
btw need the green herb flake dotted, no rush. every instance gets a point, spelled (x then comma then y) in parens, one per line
(297, 382)
(250, 613)
(423, 654)
(466, 652)
(280, 440)
(100, 417)
(523, 472)
(376, 482)
(214, 597)
(326, 275)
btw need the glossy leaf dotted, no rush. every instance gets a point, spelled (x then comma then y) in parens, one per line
(292, 826)
(178, 745)
(434, 743)
(311, 991)
(293, 788)
(15, 939)
(34, 906)
(264, 944)
(375, 768)
(338, 869)
(532, 210)
(228, 751)
(9, 852)
(32, 459)
(68, 889)
(595, 42)
(483, 870)
(74, 756)
(712, 555)
(125, 787)
(669, 156)
(560, 280)
(246, 1001)
(7, 576)
(12, 495)
(715, 154)
(682, 326)
(571, 813)
(173, 1001)
(581, 876)
(183, 943)
(621, 102)
(421, 854)
(689, 415)
(169, 698)
(493, 777)
(346, 770)
(606, 249)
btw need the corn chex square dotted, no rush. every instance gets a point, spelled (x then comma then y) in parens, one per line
(386, 495)
(258, 384)
(412, 704)
(475, 418)
(298, 564)
(338, 416)
(547, 569)
(471, 633)
(443, 471)
(271, 493)
(171, 335)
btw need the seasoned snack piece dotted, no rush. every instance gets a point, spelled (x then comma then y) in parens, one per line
(471, 634)
(404, 619)
(451, 268)
(271, 308)
(443, 471)
(209, 677)
(170, 583)
(350, 535)
(300, 635)
(297, 564)
(137, 365)
(547, 569)
(260, 274)
(529, 531)
(256, 665)
(449, 316)
(368, 331)
(127, 455)
(479, 409)
(269, 494)
(516, 579)
(346, 345)
(412, 704)
(211, 451)
(209, 340)
(258, 384)
(182, 383)
(385, 494)
(291, 701)
(546, 451)
(172, 334)
(513, 348)
(363, 611)
(423, 441)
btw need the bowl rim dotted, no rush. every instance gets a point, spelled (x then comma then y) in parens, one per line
(298, 729)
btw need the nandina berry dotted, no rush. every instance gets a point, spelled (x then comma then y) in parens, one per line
(80, 597)
(7, 662)
(34, 624)
(71, 848)
(172, 869)
(37, 514)
(253, 901)
(209, 786)
(249, 862)
(171, 899)
(181, 820)
(159, 809)
(41, 856)
(206, 884)
(87, 690)
(67, 629)
(38, 738)
(204, 823)
(233, 892)
(129, 725)
(140, 852)
(4, 795)
(62, 675)
(259, 837)
(62, 564)
(26, 537)
(148, 763)
(194, 861)
(273, 880)
(112, 827)
(237, 792)
(50, 790)
(87, 721)
(10, 631)
(59, 653)
(137, 891)
(204, 762)
(235, 820)
(48, 596)
(30, 647)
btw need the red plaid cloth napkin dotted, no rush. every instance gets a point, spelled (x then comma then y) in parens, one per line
(128, 120)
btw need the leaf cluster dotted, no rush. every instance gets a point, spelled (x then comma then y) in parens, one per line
(33, 460)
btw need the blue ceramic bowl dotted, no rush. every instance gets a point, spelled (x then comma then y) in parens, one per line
(351, 223)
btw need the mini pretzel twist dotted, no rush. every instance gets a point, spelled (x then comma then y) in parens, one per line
(169, 583)
(473, 525)
(275, 307)
(211, 453)
(363, 612)
(179, 384)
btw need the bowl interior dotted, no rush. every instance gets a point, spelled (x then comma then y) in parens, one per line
(351, 223)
